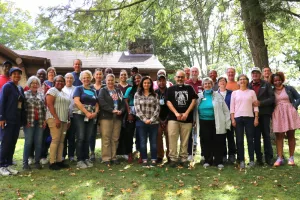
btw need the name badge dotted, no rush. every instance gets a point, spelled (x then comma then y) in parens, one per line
(204, 99)
(161, 102)
(19, 105)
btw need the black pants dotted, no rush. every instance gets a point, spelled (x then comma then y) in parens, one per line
(230, 144)
(69, 143)
(121, 150)
(8, 140)
(46, 142)
(213, 144)
(128, 138)
(263, 129)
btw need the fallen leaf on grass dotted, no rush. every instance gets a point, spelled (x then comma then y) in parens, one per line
(109, 194)
(144, 175)
(62, 193)
(72, 174)
(101, 170)
(134, 184)
(179, 192)
(30, 196)
(121, 170)
(197, 187)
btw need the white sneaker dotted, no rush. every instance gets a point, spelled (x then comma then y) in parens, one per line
(125, 157)
(220, 166)
(190, 158)
(206, 165)
(44, 161)
(30, 161)
(4, 171)
(81, 165)
(12, 170)
(88, 163)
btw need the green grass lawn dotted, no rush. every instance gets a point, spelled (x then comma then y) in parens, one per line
(134, 182)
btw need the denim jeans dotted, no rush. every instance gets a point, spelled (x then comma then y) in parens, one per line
(33, 135)
(144, 131)
(84, 130)
(263, 129)
(245, 124)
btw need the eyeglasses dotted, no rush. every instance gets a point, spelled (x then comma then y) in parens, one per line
(180, 77)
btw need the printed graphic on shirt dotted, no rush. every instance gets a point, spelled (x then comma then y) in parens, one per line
(181, 97)
(90, 93)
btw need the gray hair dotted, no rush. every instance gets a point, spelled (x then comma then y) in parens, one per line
(110, 75)
(88, 72)
(33, 78)
(69, 74)
(207, 79)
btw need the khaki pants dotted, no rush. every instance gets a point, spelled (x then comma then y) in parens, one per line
(110, 130)
(57, 143)
(179, 129)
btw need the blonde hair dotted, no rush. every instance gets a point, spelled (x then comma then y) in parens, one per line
(85, 72)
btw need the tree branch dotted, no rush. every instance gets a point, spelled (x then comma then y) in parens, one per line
(105, 10)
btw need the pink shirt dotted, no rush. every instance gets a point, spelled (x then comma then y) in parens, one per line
(241, 103)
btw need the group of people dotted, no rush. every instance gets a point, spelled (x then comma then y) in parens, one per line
(63, 113)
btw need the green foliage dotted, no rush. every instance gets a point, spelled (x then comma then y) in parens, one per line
(15, 31)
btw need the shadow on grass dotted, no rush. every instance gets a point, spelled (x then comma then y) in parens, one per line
(134, 182)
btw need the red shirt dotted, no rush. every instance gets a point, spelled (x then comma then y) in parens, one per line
(3, 79)
(197, 86)
(256, 87)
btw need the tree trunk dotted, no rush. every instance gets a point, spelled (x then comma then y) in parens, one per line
(253, 18)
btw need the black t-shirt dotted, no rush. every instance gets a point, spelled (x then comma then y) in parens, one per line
(164, 109)
(181, 97)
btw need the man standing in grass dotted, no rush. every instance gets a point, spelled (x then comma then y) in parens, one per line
(181, 100)
(265, 101)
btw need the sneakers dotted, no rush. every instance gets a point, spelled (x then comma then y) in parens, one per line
(260, 162)
(81, 165)
(44, 161)
(224, 159)
(88, 163)
(54, 166)
(145, 163)
(38, 166)
(206, 165)
(116, 162)
(231, 159)
(4, 171)
(159, 160)
(251, 164)
(12, 170)
(190, 158)
(30, 161)
(291, 161)
(153, 163)
(125, 157)
(71, 159)
(220, 166)
(173, 164)
(130, 158)
(242, 165)
(62, 165)
(26, 166)
(185, 164)
(92, 157)
(278, 162)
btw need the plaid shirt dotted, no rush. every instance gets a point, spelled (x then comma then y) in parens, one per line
(147, 107)
(33, 102)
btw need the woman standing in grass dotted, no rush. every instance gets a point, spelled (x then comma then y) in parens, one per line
(285, 117)
(110, 116)
(85, 114)
(147, 109)
(242, 118)
(36, 115)
(98, 76)
(58, 103)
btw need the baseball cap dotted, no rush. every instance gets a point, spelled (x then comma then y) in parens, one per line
(7, 63)
(161, 76)
(257, 69)
(14, 69)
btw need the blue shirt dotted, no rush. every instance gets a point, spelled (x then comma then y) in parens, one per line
(12, 100)
(87, 96)
(129, 97)
(206, 108)
(51, 84)
(76, 82)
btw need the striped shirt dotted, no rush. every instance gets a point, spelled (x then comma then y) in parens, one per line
(61, 104)
(147, 107)
(35, 105)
